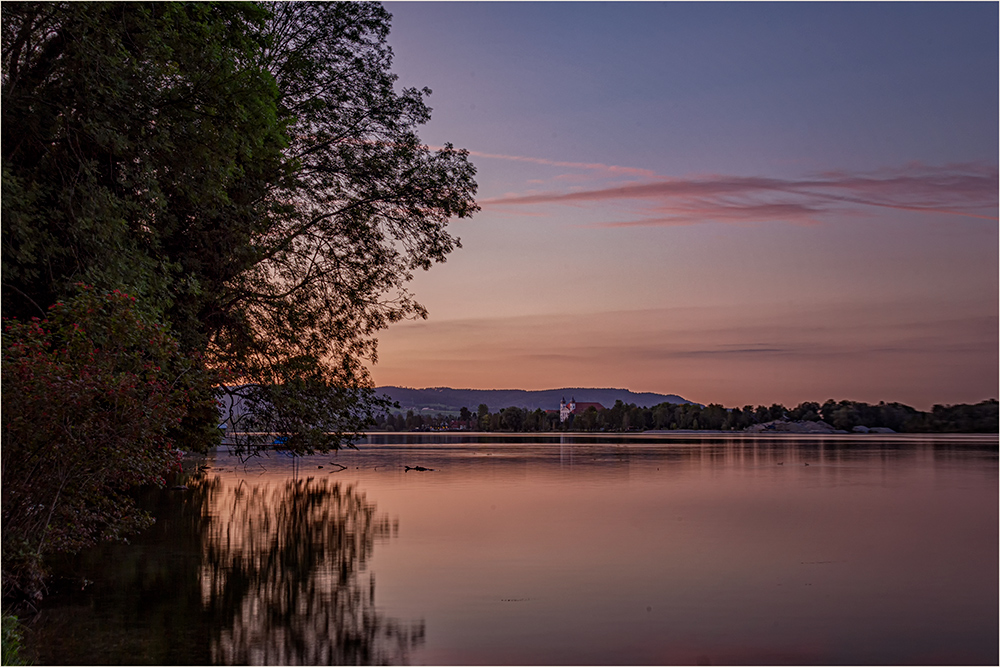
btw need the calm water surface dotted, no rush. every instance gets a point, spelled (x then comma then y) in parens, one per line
(579, 550)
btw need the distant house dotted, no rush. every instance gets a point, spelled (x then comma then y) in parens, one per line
(574, 408)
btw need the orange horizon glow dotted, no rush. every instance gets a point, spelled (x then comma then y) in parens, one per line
(738, 204)
(805, 355)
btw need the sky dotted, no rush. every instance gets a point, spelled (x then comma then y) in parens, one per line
(739, 203)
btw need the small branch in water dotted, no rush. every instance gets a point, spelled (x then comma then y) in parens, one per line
(339, 466)
(418, 469)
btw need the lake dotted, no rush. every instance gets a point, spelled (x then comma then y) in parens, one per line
(668, 549)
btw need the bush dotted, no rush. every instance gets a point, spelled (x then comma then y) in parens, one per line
(91, 395)
(11, 644)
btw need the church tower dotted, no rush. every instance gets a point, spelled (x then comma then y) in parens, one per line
(566, 409)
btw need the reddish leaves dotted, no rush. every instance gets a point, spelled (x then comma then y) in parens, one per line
(90, 396)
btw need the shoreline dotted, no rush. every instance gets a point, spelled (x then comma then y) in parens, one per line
(667, 435)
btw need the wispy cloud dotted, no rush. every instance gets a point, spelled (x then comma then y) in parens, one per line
(593, 166)
(962, 189)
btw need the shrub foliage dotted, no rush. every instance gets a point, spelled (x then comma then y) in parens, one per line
(92, 395)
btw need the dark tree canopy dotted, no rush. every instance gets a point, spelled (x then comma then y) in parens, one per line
(248, 171)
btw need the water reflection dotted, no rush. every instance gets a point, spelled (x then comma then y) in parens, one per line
(562, 551)
(235, 571)
(826, 459)
(285, 562)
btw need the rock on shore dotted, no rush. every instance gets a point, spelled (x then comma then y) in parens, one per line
(785, 426)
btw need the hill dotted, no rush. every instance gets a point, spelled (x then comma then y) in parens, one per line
(446, 399)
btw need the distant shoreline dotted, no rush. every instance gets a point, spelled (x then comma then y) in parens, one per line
(783, 435)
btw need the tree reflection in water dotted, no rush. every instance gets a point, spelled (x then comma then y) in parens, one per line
(268, 571)
(285, 564)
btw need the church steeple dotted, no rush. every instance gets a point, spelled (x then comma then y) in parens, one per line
(566, 409)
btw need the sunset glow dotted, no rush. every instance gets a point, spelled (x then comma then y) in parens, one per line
(737, 203)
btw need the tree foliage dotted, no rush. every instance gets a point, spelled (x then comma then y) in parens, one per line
(249, 171)
(251, 176)
(623, 417)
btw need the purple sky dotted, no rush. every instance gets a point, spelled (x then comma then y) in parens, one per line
(738, 203)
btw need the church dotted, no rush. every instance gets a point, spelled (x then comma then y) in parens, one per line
(574, 408)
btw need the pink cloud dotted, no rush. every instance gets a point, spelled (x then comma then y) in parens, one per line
(697, 213)
(966, 190)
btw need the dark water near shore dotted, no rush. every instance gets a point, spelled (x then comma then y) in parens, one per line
(580, 550)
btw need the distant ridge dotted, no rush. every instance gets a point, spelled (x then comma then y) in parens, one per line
(452, 400)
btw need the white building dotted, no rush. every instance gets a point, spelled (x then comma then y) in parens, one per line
(574, 408)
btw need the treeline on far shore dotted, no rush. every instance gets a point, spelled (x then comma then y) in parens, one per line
(623, 417)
